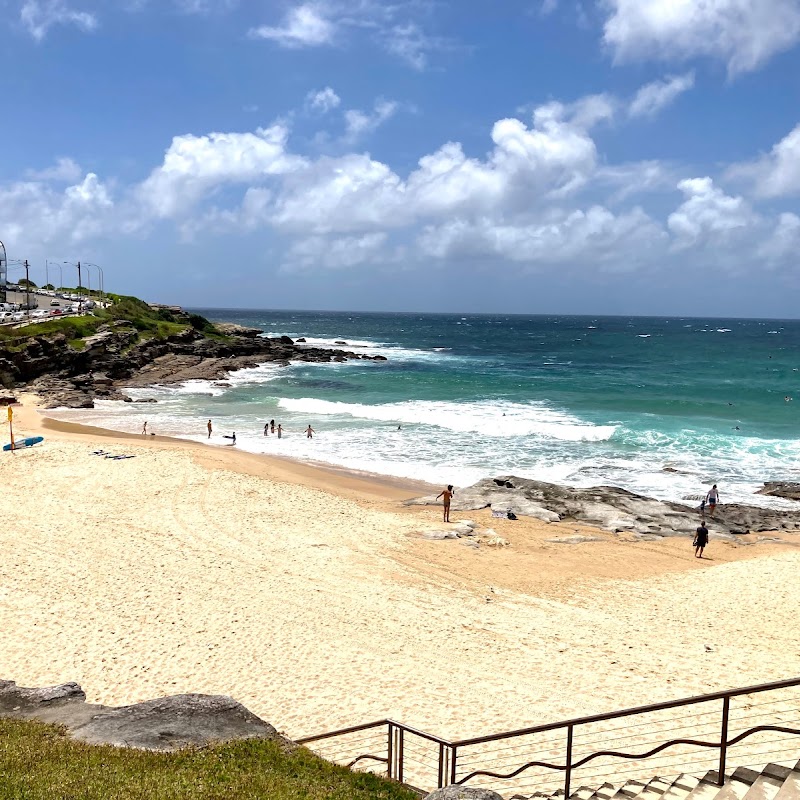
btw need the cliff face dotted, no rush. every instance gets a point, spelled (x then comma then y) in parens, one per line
(72, 376)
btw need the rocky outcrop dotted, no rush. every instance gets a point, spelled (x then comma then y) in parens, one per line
(232, 329)
(785, 489)
(463, 793)
(611, 508)
(166, 724)
(114, 358)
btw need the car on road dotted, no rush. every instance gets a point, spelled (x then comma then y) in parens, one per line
(55, 302)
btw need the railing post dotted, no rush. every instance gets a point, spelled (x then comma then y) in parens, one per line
(723, 740)
(400, 745)
(390, 751)
(568, 763)
(440, 782)
(453, 758)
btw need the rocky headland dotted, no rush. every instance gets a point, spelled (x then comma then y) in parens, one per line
(612, 509)
(72, 374)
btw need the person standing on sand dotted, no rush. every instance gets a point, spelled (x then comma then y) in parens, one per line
(712, 498)
(280, 430)
(144, 429)
(447, 496)
(209, 428)
(700, 540)
(310, 432)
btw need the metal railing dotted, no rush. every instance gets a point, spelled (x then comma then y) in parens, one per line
(657, 739)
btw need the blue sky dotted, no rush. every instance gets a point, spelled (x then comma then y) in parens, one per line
(532, 156)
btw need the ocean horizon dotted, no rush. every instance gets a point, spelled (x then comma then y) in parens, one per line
(662, 406)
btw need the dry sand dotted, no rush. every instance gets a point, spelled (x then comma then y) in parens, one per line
(305, 594)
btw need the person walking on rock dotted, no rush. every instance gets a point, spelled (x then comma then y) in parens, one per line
(712, 498)
(700, 540)
(447, 496)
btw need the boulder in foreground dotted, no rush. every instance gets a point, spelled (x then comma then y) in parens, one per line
(463, 793)
(168, 723)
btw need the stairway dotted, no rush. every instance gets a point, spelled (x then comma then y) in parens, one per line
(774, 782)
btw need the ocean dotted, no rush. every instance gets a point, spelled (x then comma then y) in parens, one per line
(663, 407)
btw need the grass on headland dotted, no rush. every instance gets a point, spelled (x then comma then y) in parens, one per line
(39, 762)
(149, 323)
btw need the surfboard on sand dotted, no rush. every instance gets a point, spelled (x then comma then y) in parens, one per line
(20, 443)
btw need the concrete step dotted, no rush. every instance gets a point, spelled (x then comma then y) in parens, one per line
(604, 792)
(628, 791)
(654, 789)
(681, 787)
(768, 783)
(706, 788)
(790, 788)
(737, 784)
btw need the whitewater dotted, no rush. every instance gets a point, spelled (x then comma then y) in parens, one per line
(663, 407)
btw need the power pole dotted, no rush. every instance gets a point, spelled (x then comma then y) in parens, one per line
(80, 289)
(27, 289)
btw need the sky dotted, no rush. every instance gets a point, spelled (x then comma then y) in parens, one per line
(501, 156)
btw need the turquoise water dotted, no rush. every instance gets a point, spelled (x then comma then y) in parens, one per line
(574, 400)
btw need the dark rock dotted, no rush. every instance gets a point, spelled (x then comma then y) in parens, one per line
(168, 723)
(612, 508)
(145, 400)
(6, 398)
(786, 489)
(15, 699)
(301, 340)
(379, 358)
(338, 341)
(286, 340)
(174, 722)
(463, 793)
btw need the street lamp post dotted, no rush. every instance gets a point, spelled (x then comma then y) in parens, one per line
(101, 277)
(3, 272)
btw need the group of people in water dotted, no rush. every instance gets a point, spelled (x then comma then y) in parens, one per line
(269, 428)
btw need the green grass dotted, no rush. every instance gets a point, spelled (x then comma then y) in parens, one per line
(39, 762)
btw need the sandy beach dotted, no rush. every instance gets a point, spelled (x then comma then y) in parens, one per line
(307, 595)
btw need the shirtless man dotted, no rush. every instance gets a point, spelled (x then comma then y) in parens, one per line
(209, 428)
(446, 495)
(144, 429)
(310, 432)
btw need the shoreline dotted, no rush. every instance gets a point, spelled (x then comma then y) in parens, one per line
(310, 597)
(319, 473)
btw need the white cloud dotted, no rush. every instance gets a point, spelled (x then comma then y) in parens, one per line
(411, 44)
(336, 253)
(65, 170)
(38, 16)
(36, 214)
(580, 238)
(708, 216)
(776, 174)
(394, 26)
(783, 244)
(548, 7)
(194, 165)
(655, 96)
(742, 33)
(323, 101)
(358, 123)
(305, 25)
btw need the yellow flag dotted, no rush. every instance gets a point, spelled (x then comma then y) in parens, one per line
(10, 413)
